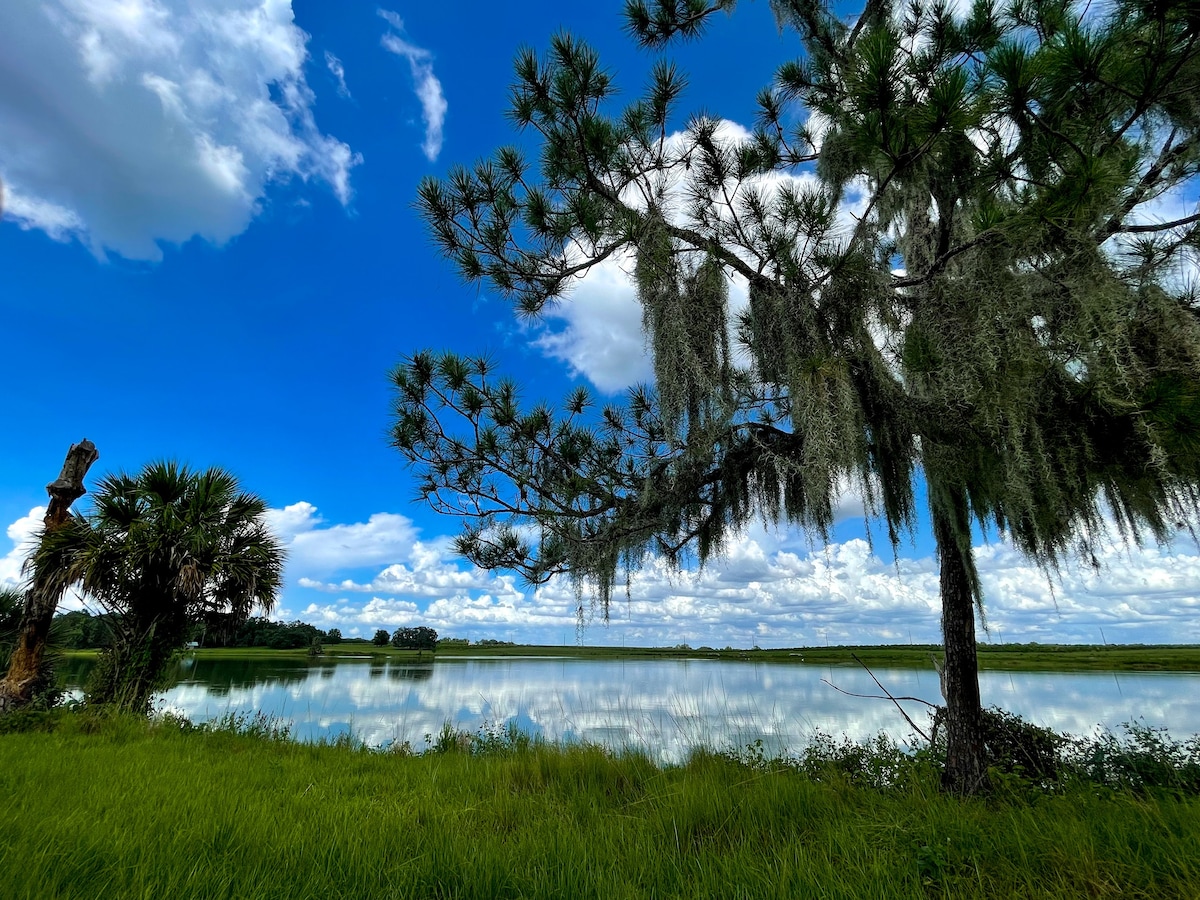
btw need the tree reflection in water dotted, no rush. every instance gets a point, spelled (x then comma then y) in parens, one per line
(410, 671)
(663, 707)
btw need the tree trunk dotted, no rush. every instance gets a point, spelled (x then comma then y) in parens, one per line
(966, 770)
(25, 669)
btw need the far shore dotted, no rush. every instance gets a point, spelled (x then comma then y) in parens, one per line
(1004, 657)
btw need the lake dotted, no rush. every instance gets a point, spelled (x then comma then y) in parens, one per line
(663, 707)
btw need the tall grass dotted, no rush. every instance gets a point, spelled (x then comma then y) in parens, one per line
(114, 807)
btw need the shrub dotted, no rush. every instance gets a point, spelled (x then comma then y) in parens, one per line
(1016, 746)
(1146, 758)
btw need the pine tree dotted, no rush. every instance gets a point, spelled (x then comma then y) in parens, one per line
(945, 226)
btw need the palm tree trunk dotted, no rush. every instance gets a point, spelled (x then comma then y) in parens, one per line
(965, 771)
(25, 668)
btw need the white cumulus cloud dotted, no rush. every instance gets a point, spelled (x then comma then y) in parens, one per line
(597, 328)
(430, 571)
(21, 534)
(772, 591)
(314, 548)
(125, 123)
(600, 336)
(768, 589)
(425, 84)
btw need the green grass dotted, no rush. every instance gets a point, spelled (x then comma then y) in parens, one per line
(1009, 657)
(117, 808)
(1004, 657)
(1026, 657)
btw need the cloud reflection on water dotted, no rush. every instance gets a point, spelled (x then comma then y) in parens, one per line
(664, 707)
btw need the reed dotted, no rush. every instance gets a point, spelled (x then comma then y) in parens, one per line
(92, 806)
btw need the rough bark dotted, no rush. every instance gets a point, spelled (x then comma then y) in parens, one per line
(25, 669)
(966, 770)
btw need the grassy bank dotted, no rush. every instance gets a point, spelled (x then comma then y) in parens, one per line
(120, 808)
(1003, 657)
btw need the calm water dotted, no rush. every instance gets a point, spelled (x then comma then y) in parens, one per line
(665, 707)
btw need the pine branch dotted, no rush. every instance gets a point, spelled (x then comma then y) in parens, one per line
(1161, 226)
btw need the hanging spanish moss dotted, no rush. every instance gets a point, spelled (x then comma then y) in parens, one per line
(956, 276)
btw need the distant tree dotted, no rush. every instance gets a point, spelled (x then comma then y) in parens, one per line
(333, 636)
(426, 639)
(160, 551)
(960, 289)
(258, 631)
(197, 633)
(293, 635)
(78, 629)
(381, 638)
(420, 638)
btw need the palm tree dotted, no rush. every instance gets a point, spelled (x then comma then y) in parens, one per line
(161, 550)
(11, 602)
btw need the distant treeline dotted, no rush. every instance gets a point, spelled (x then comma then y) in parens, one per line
(79, 630)
(260, 632)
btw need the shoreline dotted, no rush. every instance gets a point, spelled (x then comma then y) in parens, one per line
(1178, 658)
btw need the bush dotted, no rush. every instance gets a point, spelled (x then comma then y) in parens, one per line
(1015, 746)
(1011, 746)
(878, 763)
(1021, 756)
(26, 719)
(490, 739)
(1147, 758)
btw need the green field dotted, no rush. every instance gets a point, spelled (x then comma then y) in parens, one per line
(93, 807)
(1007, 657)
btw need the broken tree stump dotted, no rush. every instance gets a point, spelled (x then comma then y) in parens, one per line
(25, 669)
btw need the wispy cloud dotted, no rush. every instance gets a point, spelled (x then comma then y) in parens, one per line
(425, 84)
(339, 73)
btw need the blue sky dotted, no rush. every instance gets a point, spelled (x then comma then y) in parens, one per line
(211, 253)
